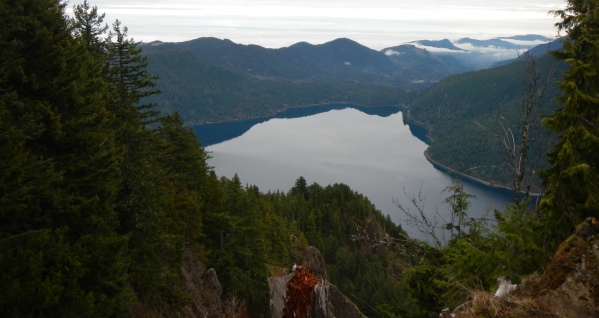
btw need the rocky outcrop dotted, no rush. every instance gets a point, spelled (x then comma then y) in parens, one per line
(199, 285)
(340, 305)
(569, 287)
(307, 292)
(202, 287)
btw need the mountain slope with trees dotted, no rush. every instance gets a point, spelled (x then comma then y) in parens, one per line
(420, 66)
(209, 79)
(203, 92)
(468, 116)
(102, 197)
(337, 60)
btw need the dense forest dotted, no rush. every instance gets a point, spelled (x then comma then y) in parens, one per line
(468, 116)
(474, 113)
(102, 196)
(203, 92)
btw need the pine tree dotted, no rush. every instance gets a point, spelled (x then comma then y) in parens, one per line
(572, 181)
(128, 73)
(241, 260)
(129, 82)
(87, 26)
(147, 213)
(58, 189)
(184, 162)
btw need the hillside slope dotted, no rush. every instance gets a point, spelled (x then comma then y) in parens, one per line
(420, 66)
(465, 113)
(204, 92)
(341, 60)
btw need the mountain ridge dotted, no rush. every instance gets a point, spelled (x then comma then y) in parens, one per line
(343, 71)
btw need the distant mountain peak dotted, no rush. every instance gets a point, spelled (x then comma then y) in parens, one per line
(155, 43)
(342, 42)
(404, 49)
(301, 44)
(441, 44)
(527, 37)
(498, 43)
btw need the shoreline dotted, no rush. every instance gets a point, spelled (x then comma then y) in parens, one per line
(287, 107)
(471, 178)
(406, 112)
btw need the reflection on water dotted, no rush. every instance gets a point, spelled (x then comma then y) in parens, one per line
(374, 153)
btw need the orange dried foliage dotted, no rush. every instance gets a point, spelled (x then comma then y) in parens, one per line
(299, 293)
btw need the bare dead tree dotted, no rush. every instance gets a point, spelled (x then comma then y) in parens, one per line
(430, 227)
(515, 147)
(535, 93)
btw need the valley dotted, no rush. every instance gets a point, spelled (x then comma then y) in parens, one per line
(258, 183)
(439, 84)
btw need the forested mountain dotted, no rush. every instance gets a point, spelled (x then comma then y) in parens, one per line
(480, 54)
(497, 43)
(102, 198)
(339, 60)
(209, 79)
(454, 109)
(421, 66)
(203, 92)
(468, 116)
(441, 44)
(527, 37)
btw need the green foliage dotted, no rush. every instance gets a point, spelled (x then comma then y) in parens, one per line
(86, 186)
(473, 259)
(101, 197)
(202, 92)
(459, 201)
(572, 181)
(59, 187)
(129, 77)
(241, 257)
(87, 27)
(334, 219)
(465, 114)
(424, 293)
(518, 247)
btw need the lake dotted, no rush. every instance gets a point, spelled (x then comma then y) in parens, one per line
(370, 149)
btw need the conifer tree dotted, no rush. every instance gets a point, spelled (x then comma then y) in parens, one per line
(572, 181)
(128, 73)
(61, 255)
(184, 163)
(88, 26)
(242, 259)
(147, 213)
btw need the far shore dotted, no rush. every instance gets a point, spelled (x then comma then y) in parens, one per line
(287, 107)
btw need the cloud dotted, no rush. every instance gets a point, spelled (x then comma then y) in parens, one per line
(376, 23)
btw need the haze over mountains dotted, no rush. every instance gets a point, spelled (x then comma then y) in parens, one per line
(418, 62)
(352, 61)
(478, 54)
(226, 80)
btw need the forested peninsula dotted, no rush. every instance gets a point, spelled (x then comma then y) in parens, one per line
(108, 207)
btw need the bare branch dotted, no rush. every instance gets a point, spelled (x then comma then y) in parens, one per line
(425, 225)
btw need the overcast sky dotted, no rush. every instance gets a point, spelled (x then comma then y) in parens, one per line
(374, 23)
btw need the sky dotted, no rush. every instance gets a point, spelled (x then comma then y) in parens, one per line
(377, 24)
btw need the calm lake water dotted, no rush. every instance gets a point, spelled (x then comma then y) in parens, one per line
(371, 150)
